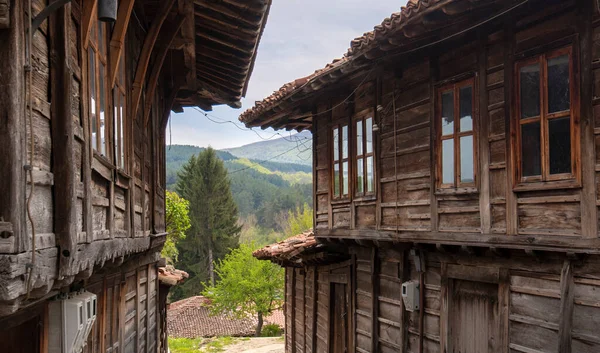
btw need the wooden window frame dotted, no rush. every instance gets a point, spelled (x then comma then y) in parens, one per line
(456, 135)
(339, 125)
(100, 59)
(362, 118)
(547, 180)
(120, 129)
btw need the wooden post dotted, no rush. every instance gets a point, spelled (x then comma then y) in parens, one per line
(511, 197)
(65, 193)
(589, 211)
(434, 70)
(13, 129)
(504, 306)
(566, 307)
(484, 144)
(374, 300)
(314, 309)
(293, 313)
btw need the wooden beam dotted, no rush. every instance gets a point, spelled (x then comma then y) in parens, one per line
(89, 10)
(189, 49)
(63, 144)
(144, 59)
(162, 48)
(118, 38)
(208, 17)
(225, 11)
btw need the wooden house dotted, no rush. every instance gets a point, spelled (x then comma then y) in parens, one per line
(455, 147)
(83, 109)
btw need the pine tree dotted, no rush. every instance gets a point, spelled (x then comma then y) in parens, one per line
(214, 231)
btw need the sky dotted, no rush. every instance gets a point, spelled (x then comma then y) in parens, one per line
(300, 37)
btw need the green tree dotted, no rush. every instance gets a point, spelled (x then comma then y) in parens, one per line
(299, 221)
(177, 223)
(214, 230)
(246, 286)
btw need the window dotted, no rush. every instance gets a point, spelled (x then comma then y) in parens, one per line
(340, 162)
(97, 72)
(365, 178)
(119, 94)
(456, 165)
(545, 121)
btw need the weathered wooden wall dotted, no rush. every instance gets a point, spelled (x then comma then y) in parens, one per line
(541, 304)
(408, 201)
(87, 210)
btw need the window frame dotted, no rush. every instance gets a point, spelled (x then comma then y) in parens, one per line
(100, 59)
(572, 179)
(362, 117)
(455, 87)
(339, 125)
(120, 131)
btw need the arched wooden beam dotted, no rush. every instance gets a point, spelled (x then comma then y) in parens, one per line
(118, 37)
(162, 47)
(177, 85)
(89, 9)
(144, 59)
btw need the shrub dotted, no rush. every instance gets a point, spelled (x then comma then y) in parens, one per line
(271, 330)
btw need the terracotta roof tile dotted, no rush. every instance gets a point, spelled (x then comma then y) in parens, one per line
(286, 249)
(190, 318)
(171, 276)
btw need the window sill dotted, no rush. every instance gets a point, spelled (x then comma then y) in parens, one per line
(457, 191)
(340, 201)
(547, 185)
(367, 198)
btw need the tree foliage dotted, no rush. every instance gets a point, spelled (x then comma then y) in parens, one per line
(299, 221)
(177, 222)
(247, 286)
(213, 213)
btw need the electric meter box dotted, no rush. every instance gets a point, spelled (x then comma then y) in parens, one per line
(410, 295)
(70, 322)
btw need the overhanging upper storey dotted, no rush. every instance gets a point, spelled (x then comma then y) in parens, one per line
(420, 25)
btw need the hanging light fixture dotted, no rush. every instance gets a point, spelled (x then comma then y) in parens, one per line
(107, 10)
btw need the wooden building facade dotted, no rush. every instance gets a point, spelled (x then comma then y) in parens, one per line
(83, 110)
(456, 146)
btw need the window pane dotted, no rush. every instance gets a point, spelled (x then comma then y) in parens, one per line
(92, 85)
(559, 134)
(345, 178)
(447, 113)
(336, 180)
(370, 176)
(336, 144)
(360, 178)
(359, 138)
(448, 161)
(103, 123)
(369, 133)
(559, 98)
(530, 149)
(122, 129)
(344, 141)
(466, 109)
(530, 91)
(467, 173)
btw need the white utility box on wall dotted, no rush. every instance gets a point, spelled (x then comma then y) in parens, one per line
(410, 295)
(70, 321)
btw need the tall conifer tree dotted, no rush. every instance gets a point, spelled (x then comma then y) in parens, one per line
(204, 182)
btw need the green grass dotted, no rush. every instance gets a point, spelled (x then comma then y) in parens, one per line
(202, 345)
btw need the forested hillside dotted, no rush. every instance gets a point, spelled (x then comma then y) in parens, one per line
(264, 192)
(276, 148)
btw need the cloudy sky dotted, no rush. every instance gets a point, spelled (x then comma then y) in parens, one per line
(301, 36)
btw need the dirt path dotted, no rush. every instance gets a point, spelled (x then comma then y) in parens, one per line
(257, 345)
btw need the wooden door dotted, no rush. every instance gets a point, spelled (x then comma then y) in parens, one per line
(339, 318)
(474, 318)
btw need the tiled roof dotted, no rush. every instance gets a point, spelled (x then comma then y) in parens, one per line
(288, 249)
(392, 27)
(190, 318)
(171, 276)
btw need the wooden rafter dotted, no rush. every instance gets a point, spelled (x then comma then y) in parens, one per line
(225, 11)
(189, 48)
(207, 18)
(118, 37)
(89, 9)
(162, 48)
(144, 59)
